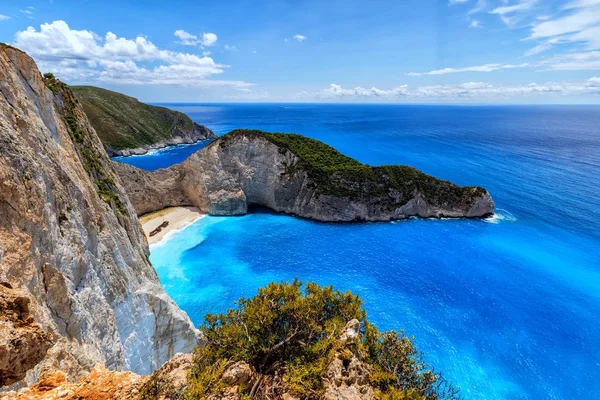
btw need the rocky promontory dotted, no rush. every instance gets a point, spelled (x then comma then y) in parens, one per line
(300, 176)
(128, 127)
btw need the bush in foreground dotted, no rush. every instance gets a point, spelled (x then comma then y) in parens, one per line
(290, 334)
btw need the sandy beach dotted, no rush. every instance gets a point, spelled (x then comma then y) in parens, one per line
(178, 218)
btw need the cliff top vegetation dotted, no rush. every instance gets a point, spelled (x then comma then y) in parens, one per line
(337, 174)
(294, 332)
(123, 122)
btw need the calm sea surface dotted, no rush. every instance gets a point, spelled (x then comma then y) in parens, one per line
(507, 308)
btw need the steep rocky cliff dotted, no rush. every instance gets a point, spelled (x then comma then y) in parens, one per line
(300, 176)
(127, 126)
(70, 240)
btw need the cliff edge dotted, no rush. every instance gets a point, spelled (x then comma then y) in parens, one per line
(300, 176)
(70, 241)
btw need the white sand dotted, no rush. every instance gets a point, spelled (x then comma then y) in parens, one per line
(178, 217)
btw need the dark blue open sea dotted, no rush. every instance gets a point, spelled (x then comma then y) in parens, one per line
(507, 308)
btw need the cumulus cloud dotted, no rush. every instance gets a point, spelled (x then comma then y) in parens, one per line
(84, 56)
(208, 39)
(300, 38)
(475, 24)
(335, 90)
(476, 68)
(186, 39)
(230, 48)
(469, 90)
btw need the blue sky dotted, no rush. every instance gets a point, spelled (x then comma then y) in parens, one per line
(427, 51)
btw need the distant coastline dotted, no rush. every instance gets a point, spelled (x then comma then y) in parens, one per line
(144, 150)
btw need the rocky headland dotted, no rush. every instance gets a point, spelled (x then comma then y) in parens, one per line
(128, 127)
(300, 176)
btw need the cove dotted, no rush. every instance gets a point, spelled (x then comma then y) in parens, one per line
(506, 307)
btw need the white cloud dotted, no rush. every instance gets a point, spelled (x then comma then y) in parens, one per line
(538, 49)
(468, 90)
(26, 11)
(475, 24)
(521, 6)
(453, 2)
(186, 39)
(84, 56)
(335, 90)
(230, 48)
(589, 60)
(208, 39)
(254, 52)
(478, 7)
(476, 68)
(300, 38)
(3, 17)
(577, 23)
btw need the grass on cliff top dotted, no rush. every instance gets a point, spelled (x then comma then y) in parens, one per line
(340, 175)
(289, 333)
(122, 122)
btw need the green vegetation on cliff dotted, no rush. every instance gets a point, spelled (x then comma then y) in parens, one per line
(93, 162)
(340, 175)
(122, 122)
(290, 334)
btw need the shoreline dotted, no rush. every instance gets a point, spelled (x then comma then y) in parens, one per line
(178, 218)
(142, 151)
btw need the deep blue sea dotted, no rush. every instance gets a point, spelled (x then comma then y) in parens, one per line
(507, 308)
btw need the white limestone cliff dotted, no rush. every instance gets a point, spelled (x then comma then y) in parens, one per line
(70, 238)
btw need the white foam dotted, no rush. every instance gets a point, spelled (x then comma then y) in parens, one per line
(501, 216)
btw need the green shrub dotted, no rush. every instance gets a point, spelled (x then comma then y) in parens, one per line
(62, 217)
(295, 329)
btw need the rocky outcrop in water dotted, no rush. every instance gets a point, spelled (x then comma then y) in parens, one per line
(300, 176)
(70, 241)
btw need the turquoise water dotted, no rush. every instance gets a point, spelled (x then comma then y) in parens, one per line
(507, 308)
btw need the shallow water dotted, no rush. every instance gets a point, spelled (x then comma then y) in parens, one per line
(507, 308)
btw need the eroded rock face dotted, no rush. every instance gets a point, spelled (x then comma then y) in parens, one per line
(23, 343)
(70, 238)
(233, 173)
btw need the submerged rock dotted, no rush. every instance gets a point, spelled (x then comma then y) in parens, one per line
(299, 176)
